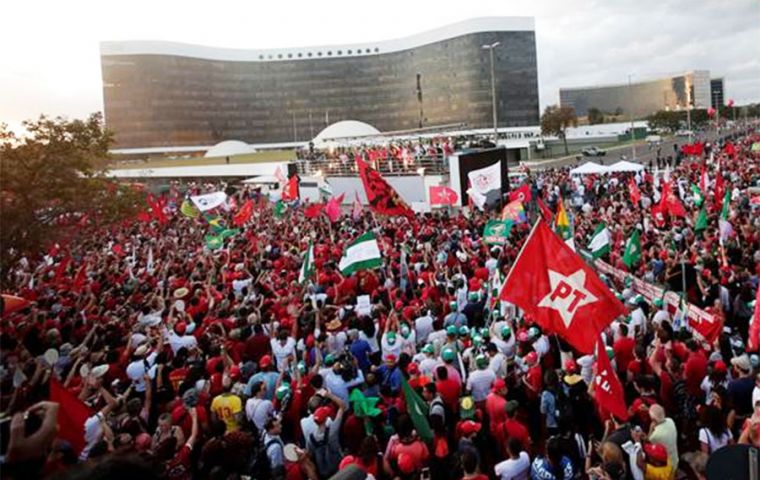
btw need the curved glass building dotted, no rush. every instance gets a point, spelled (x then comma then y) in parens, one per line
(165, 94)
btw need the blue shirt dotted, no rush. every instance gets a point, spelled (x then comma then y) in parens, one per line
(361, 350)
(542, 470)
(389, 377)
(549, 408)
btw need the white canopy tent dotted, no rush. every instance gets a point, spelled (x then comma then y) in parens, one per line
(589, 168)
(625, 166)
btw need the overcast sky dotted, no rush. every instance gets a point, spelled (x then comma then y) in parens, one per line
(50, 58)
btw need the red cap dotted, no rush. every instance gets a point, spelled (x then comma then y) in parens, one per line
(412, 369)
(265, 361)
(469, 427)
(180, 328)
(405, 463)
(390, 358)
(656, 451)
(310, 340)
(571, 366)
(347, 460)
(234, 372)
(498, 384)
(720, 367)
(321, 414)
(531, 357)
(399, 305)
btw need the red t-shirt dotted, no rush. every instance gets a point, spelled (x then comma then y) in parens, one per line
(512, 428)
(449, 390)
(178, 468)
(623, 349)
(534, 378)
(495, 407)
(694, 371)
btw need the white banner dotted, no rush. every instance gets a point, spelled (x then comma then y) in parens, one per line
(209, 201)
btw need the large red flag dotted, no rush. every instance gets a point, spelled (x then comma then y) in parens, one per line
(381, 196)
(634, 191)
(720, 190)
(608, 392)
(157, 208)
(80, 278)
(553, 285)
(290, 189)
(332, 209)
(708, 329)
(523, 194)
(658, 215)
(244, 214)
(12, 303)
(60, 269)
(545, 211)
(313, 210)
(443, 195)
(72, 415)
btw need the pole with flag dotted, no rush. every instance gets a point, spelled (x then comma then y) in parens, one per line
(307, 266)
(608, 391)
(600, 241)
(632, 253)
(562, 225)
(418, 410)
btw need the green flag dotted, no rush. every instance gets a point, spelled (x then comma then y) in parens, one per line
(188, 209)
(214, 242)
(726, 202)
(361, 254)
(418, 411)
(307, 266)
(229, 232)
(701, 222)
(600, 241)
(496, 232)
(279, 209)
(697, 193)
(632, 252)
(215, 222)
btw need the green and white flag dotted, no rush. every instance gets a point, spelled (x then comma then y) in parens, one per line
(600, 241)
(701, 222)
(496, 232)
(632, 253)
(362, 254)
(279, 209)
(307, 267)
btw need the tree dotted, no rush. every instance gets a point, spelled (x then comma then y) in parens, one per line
(53, 186)
(595, 116)
(556, 120)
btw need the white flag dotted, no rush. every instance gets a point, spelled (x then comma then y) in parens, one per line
(209, 201)
(149, 265)
(477, 198)
(486, 179)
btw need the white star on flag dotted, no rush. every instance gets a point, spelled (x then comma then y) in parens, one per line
(567, 294)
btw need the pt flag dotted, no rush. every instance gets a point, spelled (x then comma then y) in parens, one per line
(608, 392)
(522, 194)
(382, 198)
(72, 415)
(553, 285)
(290, 190)
(633, 191)
(443, 195)
(362, 254)
(244, 214)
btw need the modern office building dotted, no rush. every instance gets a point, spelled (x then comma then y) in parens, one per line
(164, 94)
(642, 98)
(717, 97)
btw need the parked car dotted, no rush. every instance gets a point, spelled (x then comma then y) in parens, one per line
(593, 152)
(684, 133)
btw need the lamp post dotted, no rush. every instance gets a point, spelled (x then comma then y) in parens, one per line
(630, 113)
(493, 90)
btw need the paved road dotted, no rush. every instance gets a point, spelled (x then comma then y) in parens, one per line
(644, 154)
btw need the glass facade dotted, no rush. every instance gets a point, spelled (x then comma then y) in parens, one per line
(641, 98)
(157, 100)
(717, 96)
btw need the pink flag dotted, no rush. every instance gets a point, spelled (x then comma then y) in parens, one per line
(332, 209)
(357, 210)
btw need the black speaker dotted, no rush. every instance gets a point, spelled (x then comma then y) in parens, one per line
(351, 472)
(734, 462)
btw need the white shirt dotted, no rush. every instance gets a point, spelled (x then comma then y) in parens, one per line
(517, 469)
(387, 348)
(93, 433)
(479, 383)
(660, 316)
(239, 285)
(755, 395)
(638, 319)
(423, 327)
(136, 371)
(258, 410)
(427, 366)
(282, 352)
(176, 342)
(498, 365)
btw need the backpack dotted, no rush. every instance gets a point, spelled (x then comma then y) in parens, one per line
(260, 468)
(326, 457)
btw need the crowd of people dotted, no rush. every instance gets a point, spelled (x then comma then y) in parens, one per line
(189, 362)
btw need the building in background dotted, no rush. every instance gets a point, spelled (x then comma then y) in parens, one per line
(164, 94)
(717, 96)
(642, 98)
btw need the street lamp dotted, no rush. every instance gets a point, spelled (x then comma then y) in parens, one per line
(630, 113)
(493, 90)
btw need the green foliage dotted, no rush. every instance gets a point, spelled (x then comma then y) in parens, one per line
(556, 120)
(595, 116)
(53, 185)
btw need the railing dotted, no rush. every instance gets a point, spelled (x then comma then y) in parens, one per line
(424, 165)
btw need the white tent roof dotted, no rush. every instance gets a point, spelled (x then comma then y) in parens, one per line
(625, 166)
(261, 180)
(346, 129)
(589, 168)
(228, 148)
